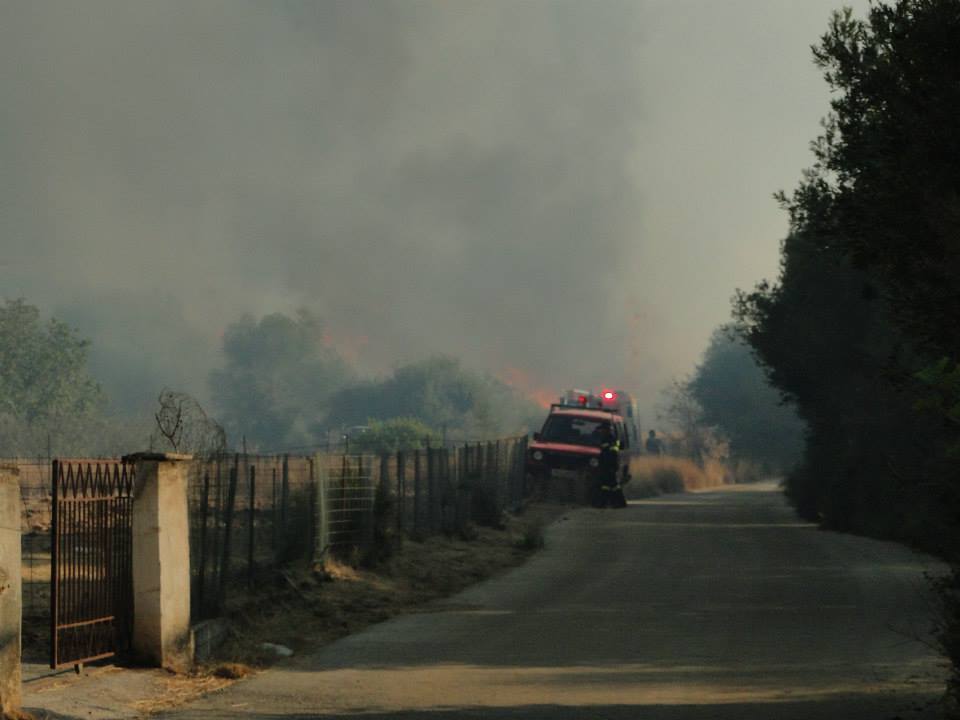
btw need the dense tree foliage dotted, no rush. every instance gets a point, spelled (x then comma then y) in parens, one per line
(734, 396)
(283, 387)
(859, 329)
(443, 395)
(389, 436)
(277, 380)
(46, 392)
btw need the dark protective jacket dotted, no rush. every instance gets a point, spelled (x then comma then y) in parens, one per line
(610, 461)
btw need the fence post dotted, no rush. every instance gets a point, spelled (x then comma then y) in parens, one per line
(274, 514)
(364, 502)
(416, 492)
(313, 499)
(11, 597)
(447, 496)
(161, 561)
(252, 516)
(498, 473)
(431, 491)
(203, 551)
(211, 598)
(284, 495)
(517, 471)
(227, 527)
(382, 492)
(322, 544)
(401, 492)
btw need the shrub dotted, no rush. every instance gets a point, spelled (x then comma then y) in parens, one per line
(531, 537)
(655, 475)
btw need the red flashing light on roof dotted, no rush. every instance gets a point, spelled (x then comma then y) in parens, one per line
(582, 400)
(609, 395)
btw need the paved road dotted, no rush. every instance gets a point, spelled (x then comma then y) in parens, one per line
(710, 605)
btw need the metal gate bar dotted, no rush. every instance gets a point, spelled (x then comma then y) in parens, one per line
(91, 579)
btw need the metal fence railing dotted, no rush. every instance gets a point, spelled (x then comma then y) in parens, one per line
(255, 513)
(252, 512)
(91, 601)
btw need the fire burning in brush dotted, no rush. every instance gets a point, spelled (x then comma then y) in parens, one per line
(352, 347)
(521, 381)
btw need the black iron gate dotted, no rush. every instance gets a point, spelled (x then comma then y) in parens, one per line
(91, 580)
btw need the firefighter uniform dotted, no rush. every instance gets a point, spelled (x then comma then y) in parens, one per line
(607, 490)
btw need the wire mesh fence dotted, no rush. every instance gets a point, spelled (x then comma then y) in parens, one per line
(252, 514)
(247, 513)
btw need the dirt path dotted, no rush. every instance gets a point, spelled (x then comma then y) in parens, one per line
(711, 605)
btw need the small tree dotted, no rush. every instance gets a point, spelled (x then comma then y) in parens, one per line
(185, 426)
(679, 408)
(389, 436)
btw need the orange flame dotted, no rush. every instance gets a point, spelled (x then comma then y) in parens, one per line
(521, 381)
(350, 346)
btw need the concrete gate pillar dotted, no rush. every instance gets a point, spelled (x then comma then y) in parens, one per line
(10, 595)
(161, 561)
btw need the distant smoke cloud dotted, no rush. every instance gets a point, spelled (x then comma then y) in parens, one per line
(561, 191)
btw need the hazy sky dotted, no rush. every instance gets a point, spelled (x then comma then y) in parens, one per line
(563, 193)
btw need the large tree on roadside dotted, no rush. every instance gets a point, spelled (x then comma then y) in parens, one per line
(889, 159)
(734, 395)
(859, 329)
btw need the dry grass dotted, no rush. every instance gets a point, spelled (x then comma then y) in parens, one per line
(18, 715)
(655, 475)
(180, 689)
(310, 607)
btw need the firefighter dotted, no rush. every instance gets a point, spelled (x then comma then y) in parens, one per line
(654, 444)
(607, 491)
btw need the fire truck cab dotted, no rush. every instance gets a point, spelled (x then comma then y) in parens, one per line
(569, 441)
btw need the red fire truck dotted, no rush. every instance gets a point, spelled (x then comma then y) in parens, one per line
(564, 457)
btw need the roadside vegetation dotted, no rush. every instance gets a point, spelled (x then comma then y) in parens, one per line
(654, 475)
(281, 387)
(858, 332)
(308, 607)
(727, 424)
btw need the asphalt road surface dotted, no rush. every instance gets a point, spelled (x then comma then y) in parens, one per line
(710, 605)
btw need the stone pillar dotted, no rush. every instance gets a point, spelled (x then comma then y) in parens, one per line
(10, 595)
(161, 561)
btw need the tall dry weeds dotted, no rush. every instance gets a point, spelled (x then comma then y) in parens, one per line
(655, 475)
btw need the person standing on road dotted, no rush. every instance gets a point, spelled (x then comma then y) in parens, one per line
(607, 491)
(654, 446)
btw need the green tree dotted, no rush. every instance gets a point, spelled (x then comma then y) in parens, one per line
(889, 160)
(866, 297)
(440, 393)
(734, 395)
(277, 379)
(680, 410)
(45, 388)
(389, 436)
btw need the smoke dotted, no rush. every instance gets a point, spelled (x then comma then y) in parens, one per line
(562, 191)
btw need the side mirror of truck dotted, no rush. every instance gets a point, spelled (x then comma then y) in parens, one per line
(536, 437)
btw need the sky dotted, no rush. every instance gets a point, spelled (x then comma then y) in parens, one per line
(563, 193)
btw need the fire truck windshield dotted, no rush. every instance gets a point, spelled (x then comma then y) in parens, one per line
(573, 430)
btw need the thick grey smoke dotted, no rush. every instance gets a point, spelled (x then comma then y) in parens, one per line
(564, 193)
